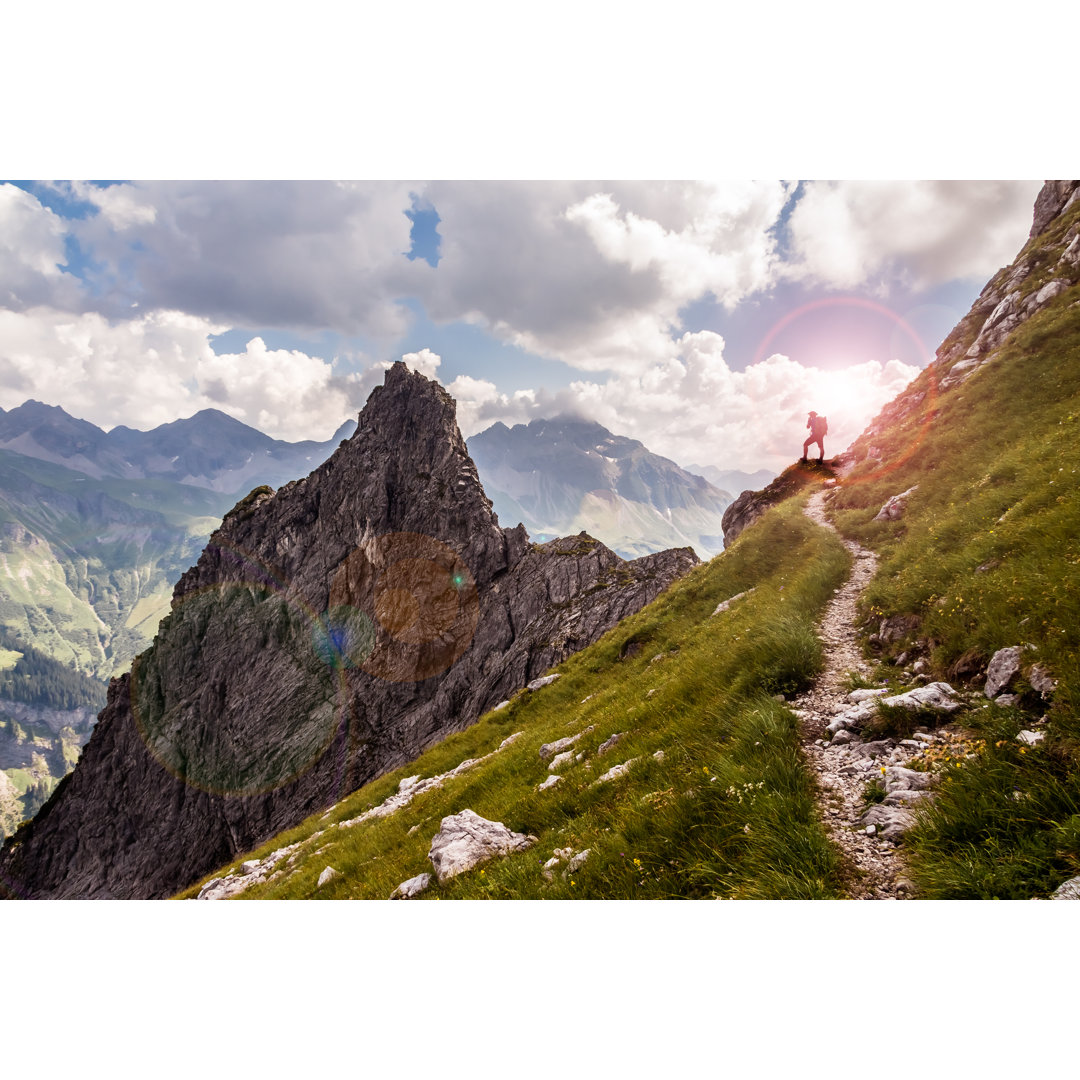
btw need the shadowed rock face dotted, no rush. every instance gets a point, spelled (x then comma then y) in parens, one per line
(330, 632)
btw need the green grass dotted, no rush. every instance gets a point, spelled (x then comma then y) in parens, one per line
(730, 809)
(9, 658)
(987, 555)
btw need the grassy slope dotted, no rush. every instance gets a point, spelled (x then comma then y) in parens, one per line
(728, 812)
(987, 555)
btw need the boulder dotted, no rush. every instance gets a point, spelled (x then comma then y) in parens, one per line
(328, 875)
(935, 695)
(551, 781)
(545, 680)
(549, 750)
(843, 736)
(559, 760)
(1004, 667)
(859, 696)
(891, 822)
(607, 744)
(413, 887)
(1031, 738)
(894, 508)
(897, 778)
(615, 772)
(725, 604)
(465, 840)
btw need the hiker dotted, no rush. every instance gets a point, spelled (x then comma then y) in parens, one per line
(819, 428)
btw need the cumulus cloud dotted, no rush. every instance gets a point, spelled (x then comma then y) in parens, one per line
(31, 253)
(848, 233)
(299, 255)
(425, 361)
(152, 369)
(594, 274)
(693, 407)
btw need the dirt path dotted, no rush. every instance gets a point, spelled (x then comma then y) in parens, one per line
(841, 771)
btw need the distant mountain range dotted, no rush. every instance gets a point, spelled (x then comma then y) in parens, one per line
(733, 480)
(208, 450)
(565, 475)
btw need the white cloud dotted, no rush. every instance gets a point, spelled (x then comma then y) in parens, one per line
(152, 369)
(847, 233)
(425, 361)
(304, 255)
(594, 274)
(31, 253)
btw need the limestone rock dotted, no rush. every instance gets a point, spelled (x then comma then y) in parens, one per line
(328, 875)
(615, 772)
(559, 745)
(1004, 667)
(1041, 681)
(891, 822)
(859, 696)
(578, 861)
(608, 743)
(1031, 738)
(559, 760)
(546, 680)
(894, 508)
(935, 695)
(551, 781)
(725, 605)
(897, 778)
(413, 887)
(1051, 201)
(465, 840)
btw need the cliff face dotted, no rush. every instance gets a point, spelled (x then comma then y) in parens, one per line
(329, 632)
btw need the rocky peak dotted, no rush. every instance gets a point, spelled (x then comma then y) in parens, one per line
(1054, 197)
(329, 632)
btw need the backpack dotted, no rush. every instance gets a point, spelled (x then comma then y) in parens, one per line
(822, 426)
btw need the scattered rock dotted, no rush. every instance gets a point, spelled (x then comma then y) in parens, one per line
(328, 875)
(250, 866)
(896, 627)
(935, 695)
(724, 605)
(577, 861)
(551, 749)
(545, 680)
(897, 778)
(1004, 667)
(551, 781)
(659, 756)
(607, 744)
(1039, 677)
(859, 696)
(871, 830)
(559, 760)
(615, 772)
(894, 508)
(465, 840)
(1031, 738)
(510, 738)
(413, 887)
(891, 821)
(842, 737)
(408, 782)
(498, 708)
(1006, 700)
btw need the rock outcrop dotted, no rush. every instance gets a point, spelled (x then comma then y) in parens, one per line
(750, 505)
(330, 632)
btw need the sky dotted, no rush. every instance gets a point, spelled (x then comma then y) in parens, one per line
(705, 318)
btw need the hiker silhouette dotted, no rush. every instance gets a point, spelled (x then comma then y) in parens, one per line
(819, 428)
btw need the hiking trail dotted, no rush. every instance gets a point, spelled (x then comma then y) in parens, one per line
(843, 772)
